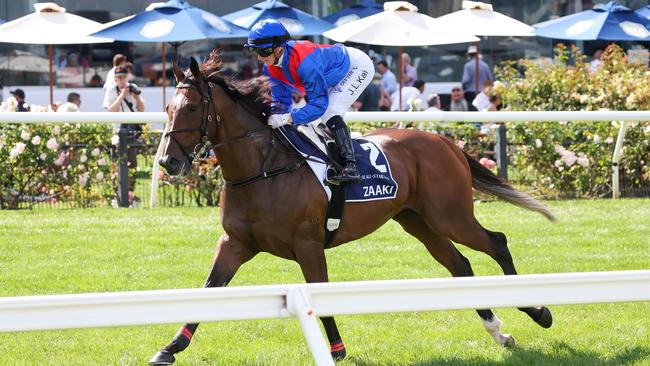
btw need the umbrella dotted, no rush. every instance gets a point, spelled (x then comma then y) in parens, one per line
(399, 24)
(50, 24)
(175, 21)
(644, 12)
(297, 22)
(480, 19)
(364, 9)
(610, 22)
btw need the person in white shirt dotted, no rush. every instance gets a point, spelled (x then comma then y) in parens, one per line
(482, 100)
(123, 96)
(434, 103)
(411, 95)
(72, 105)
(596, 61)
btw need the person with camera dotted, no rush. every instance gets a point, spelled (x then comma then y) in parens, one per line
(125, 97)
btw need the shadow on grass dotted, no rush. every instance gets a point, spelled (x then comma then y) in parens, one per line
(563, 354)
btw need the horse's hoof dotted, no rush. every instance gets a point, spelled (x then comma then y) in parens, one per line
(509, 341)
(339, 355)
(546, 319)
(162, 358)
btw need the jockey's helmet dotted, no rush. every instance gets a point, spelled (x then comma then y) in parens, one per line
(267, 34)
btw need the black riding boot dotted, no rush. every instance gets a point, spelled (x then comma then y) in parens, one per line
(349, 173)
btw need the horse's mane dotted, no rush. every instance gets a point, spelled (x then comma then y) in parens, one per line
(254, 94)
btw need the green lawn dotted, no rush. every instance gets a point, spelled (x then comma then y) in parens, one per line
(73, 251)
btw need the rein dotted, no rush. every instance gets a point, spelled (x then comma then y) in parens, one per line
(201, 150)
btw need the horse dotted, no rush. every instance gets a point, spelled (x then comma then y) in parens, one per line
(273, 203)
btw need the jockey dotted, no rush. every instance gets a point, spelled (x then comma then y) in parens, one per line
(330, 77)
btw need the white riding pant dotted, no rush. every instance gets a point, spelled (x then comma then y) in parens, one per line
(347, 91)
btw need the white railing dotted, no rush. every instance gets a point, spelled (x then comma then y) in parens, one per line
(308, 301)
(469, 117)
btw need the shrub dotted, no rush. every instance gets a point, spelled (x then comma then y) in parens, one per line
(574, 158)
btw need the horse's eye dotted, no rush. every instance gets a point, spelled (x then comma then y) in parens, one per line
(194, 108)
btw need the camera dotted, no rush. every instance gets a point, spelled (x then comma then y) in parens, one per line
(133, 89)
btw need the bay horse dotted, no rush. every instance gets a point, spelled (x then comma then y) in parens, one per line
(273, 203)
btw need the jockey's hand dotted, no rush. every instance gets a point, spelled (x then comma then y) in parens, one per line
(278, 120)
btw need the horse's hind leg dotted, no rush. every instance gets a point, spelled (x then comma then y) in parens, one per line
(541, 315)
(313, 264)
(443, 250)
(229, 256)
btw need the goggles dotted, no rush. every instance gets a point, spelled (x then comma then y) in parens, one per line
(262, 52)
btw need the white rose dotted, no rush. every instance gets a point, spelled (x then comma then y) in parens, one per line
(101, 162)
(99, 176)
(538, 143)
(583, 162)
(115, 140)
(43, 156)
(25, 135)
(83, 158)
(596, 138)
(36, 140)
(57, 130)
(20, 147)
(609, 140)
(52, 144)
(95, 152)
(82, 167)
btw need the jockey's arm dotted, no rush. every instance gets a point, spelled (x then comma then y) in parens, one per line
(316, 94)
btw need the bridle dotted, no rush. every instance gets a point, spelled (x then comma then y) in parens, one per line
(202, 149)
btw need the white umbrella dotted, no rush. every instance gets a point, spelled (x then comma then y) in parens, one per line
(399, 24)
(50, 24)
(480, 19)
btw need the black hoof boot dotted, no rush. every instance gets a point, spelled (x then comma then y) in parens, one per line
(545, 319)
(338, 351)
(163, 357)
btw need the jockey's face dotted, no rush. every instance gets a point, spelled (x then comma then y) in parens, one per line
(271, 59)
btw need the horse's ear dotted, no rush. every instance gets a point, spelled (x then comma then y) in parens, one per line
(194, 68)
(178, 73)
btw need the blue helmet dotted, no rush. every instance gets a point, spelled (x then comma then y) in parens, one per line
(267, 33)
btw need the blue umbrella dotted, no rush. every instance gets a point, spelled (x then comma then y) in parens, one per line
(1, 21)
(644, 12)
(364, 9)
(174, 21)
(610, 22)
(297, 22)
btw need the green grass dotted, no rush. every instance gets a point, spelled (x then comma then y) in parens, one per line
(74, 251)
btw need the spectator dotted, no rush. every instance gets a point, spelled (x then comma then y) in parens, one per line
(409, 73)
(469, 73)
(495, 104)
(482, 101)
(95, 81)
(72, 105)
(118, 60)
(369, 99)
(388, 81)
(411, 95)
(19, 94)
(596, 61)
(458, 102)
(434, 103)
(123, 96)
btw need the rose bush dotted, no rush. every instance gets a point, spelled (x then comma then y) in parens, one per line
(574, 158)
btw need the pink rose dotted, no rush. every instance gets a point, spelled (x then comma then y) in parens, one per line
(52, 144)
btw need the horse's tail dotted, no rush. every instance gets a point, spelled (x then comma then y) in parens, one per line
(487, 182)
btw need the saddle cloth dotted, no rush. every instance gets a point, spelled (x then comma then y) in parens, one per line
(377, 180)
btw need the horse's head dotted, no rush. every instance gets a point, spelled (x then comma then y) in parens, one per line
(192, 121)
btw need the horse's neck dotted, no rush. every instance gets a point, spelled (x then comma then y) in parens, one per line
(241, 157)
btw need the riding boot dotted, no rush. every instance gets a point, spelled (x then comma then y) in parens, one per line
(349, 172)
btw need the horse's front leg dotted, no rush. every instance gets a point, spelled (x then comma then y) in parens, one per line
(229, 256)
(311, 259)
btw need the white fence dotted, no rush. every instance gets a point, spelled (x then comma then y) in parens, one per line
(469, 117)
(307, 301)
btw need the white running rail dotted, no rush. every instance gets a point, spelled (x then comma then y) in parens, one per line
(468, 117)
(307, 301)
